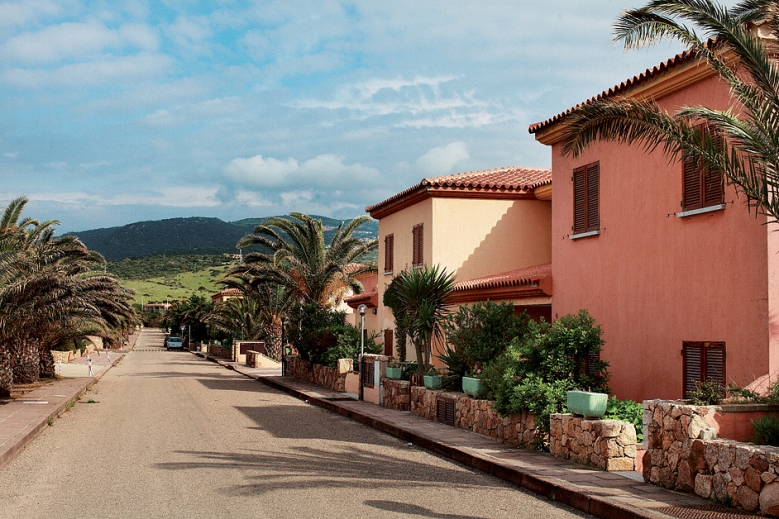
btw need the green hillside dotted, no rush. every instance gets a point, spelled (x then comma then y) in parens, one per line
(186, 236)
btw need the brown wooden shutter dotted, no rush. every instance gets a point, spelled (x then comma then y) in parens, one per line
(367, 372)
(418, 254)
(593, 191)
(579, 201)
(388, 342)
(692, 184)
(389, 253)
(692, 358)
(445, 410)
(701, 187)
(703, 362)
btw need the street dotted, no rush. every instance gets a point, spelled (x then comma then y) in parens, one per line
(168, 434)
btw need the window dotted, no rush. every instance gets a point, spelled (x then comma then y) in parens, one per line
(586, 209)
(418, 257)
(389, 253)
(388, 342)
(701, 187)
(703, 361)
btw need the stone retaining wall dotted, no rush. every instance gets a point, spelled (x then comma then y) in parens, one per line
(684, 453)
(220, 351)
(331, 378)
(477, 416)
(605, 444)
(396, 394)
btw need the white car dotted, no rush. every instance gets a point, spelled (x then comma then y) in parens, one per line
(174, 343)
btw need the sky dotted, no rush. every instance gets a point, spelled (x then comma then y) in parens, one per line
(113, 112)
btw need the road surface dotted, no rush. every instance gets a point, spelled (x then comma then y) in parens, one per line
(168, 434)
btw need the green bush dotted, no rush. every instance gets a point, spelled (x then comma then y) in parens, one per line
(546, 362)
(476, 336)
(627, 411)
(767, 430)
(710, 392)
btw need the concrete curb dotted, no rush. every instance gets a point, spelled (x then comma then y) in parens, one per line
(20, 442)
(551, 488)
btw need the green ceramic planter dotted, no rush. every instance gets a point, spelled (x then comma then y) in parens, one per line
(433, 381)
(394, 373)
(472, 386)
(586, 404)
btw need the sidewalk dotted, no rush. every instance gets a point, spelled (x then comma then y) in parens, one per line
(24, 418)
(602, 494)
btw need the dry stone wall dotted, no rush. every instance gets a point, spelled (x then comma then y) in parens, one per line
(684, 453)
(396, 394)
(318, 374)
(477, 416)
(605, 444)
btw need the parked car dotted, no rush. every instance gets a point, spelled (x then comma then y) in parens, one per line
(174, 343)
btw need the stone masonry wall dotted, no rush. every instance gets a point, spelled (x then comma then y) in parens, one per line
(605, 444)
(220, 351)
(477, 416)
(396, 394)
(684, 453)
(318, 374)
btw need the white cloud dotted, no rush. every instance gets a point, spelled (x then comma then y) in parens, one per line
(126, 68)
(190, 33)
(441, 159)
(322, 172)
(172, 196)
(11, 155)
(23, 12)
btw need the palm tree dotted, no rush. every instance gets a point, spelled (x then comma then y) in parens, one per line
(728, 41)
(49, 294)
(423, 295)
(300, 260)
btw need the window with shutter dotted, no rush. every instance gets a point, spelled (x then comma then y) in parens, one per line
(702, 362)
(388, 342)
(418, 235)
(389, 253)
(586, 203)
(701, 187)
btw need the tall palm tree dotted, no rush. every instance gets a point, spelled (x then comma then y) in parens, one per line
(49, 293)
(300, 260)
(423, 294)
(729, 42)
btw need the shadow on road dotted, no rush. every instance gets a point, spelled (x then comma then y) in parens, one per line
(355, 468)
(409, 509)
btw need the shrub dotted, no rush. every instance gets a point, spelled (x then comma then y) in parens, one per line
(476, 336)
(627, 411)
(767, 430)
(540, 367)
(710, 392)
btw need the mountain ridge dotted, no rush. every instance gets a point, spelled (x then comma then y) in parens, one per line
(188, 235)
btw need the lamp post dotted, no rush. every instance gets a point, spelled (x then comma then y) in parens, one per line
(362, 309)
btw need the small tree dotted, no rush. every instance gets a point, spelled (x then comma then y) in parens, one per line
(423, 295)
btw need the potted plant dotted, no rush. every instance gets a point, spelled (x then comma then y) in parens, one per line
(433, 379)
(587, 404)
(472, 384)
(394, 371)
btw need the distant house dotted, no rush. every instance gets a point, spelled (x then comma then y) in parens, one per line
(682, 278)
(491, 228)
(224, 295)
(157, 308)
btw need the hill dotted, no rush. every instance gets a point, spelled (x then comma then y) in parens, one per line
(186, 236)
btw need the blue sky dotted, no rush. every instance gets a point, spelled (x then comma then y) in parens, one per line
(113, 112)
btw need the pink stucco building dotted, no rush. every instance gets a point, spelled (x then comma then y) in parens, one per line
(667, 259)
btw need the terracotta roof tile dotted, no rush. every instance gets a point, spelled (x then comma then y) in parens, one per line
(524, 276)
(511, 178)
(622, 88)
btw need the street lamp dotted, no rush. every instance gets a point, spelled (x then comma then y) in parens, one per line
(362, 309)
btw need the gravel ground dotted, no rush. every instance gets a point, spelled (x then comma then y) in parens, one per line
(170, 435)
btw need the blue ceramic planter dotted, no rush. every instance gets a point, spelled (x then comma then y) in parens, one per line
(472, 386)
(433, 381)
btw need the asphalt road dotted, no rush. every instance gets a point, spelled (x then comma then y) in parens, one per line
(167, 434)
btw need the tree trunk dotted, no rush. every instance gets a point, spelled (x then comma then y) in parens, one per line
(26, 364)
(46, 363)
(274, 347)
(6, 374)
